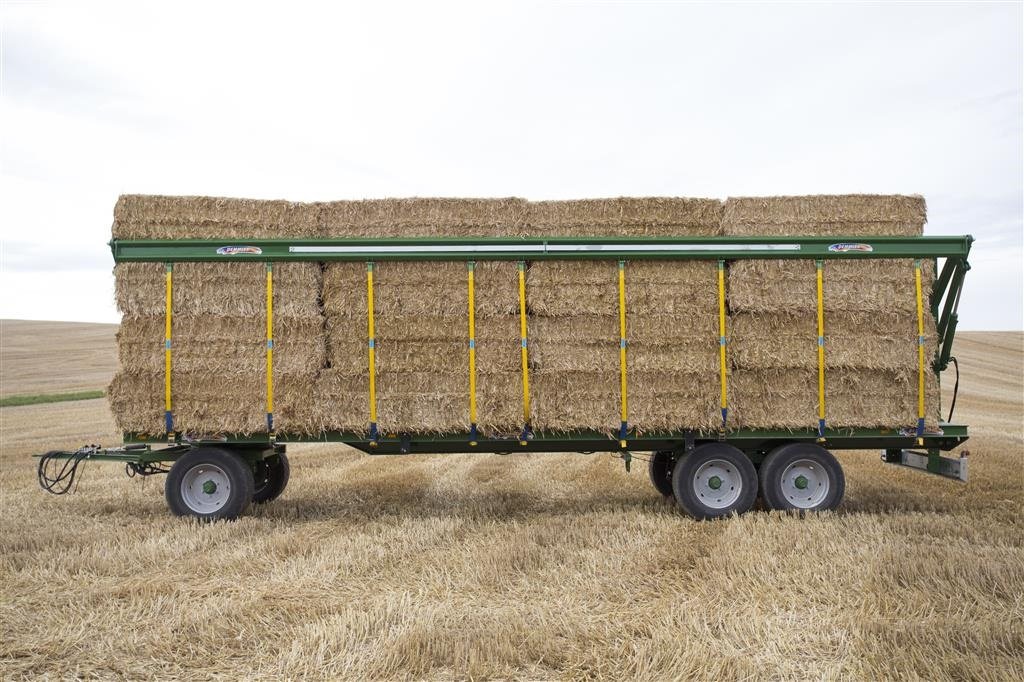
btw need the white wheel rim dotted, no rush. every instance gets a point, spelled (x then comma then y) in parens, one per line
(717, 484)
(805, 484)
(205, 488)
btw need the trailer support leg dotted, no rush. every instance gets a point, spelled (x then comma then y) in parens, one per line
(932, 462)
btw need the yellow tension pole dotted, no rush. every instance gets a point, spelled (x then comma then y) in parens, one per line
(624, 426)
(270, 349)
(920, 353)
(722, 342)
(470, 266)
(821, 354)
(372, 359)
(168, 296)
(525, 435)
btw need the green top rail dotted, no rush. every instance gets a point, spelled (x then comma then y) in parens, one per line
(555, 248)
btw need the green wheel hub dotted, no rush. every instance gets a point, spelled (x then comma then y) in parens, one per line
(801, 482)
(715, 482)
(209, 487)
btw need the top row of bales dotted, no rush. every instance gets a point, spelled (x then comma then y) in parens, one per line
(172, 217)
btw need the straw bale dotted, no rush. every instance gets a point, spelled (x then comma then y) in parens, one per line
(205, 404)
(626, 216)
(788, 398)
(657, 401)
(839, 215)
(427, 344)
(852, 340)
(424, 217)
(699, 355)
(690, 355)
(191, 217)
(415, 401)
(218, 289)
(642, 299)
(219, 344)
(557, 288)
(439, 402)
(884, 285)
(641, 330)
(341, 401)
(421, 288)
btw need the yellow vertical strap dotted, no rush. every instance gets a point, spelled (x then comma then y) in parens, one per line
(270, 348)
(722, 342)
(624, 426)
(372, 357)
(525, 354)
(168, 297)
(821, 353)
(920, 352)
(470, 266)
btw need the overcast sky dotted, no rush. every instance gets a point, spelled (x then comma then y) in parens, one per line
(567, 100)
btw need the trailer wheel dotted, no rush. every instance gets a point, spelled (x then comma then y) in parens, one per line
(660, 470)
(271, 478)
(714, 480)
(209, 484)
(802, 476)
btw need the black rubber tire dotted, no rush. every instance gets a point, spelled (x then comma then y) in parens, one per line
(781, 457)
(686, 469)
(271, 478)
(660, 471)
(237, 470)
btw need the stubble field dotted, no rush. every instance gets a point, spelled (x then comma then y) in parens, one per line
(524, 566)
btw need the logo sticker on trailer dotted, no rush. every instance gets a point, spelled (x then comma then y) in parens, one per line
(845, 247)
(236, 250)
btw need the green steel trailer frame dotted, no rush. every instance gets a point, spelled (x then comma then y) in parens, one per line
(798, 459)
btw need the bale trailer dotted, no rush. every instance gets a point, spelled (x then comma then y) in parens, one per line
(709, 473)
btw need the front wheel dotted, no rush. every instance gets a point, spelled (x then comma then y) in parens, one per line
(715, 480)
(802, 476)
(209, 484)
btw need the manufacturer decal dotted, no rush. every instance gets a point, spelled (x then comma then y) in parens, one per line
(845, 247)
(236, 250)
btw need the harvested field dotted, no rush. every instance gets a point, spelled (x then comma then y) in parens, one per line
(85, 363)
(527, 566)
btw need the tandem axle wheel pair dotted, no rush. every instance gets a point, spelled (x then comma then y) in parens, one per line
(718, 479)
(217, 483)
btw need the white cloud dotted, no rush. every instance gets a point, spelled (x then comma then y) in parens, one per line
(317, 101)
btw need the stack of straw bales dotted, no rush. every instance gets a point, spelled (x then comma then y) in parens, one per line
(218, 376)
(421, 313)
(870, 318)
(671, 320)
(320, 320)
(219, 321)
